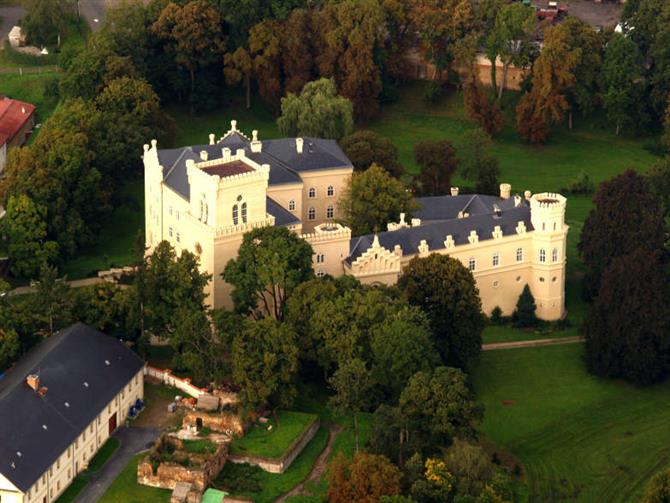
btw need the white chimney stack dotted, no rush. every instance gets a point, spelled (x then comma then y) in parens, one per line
(233, 126)
(226, 153)
(298, 145)
(256, 146)
(505, 190)
(212, 138)
(454, 191)
(527, 195)
(203, 155)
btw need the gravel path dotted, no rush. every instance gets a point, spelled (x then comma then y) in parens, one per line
(532, 343)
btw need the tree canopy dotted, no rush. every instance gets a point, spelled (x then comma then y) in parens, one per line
(438, 162)
(365, 148)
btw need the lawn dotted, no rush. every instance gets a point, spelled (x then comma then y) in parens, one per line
(116, 245)
(73, 489)
(577, 436)
(263, 487)
(30, 88)
(103, 455)
(125, 488)
(259, 441)
(496, 333)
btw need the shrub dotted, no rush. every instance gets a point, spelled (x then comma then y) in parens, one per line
(582, 184)
(496, 316)
(433, 92)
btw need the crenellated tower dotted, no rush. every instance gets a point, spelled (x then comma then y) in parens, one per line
(547, 213)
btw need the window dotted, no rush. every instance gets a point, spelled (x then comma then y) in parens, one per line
(311, 193)
(311, 213)
(541, 280)
(554, 255)
(543, 255)
(554, 225)
(331, 191)
(320, 273)
(496, 259)
(170, 210)
(244, 213)
(496, 284)
(320, 258)
(178, 240)
(291, 205)
(330, 211)
(235, 214)
(170, 231)
(472, 264)
(519, 254)
(544, 226)
(177, 215)
(518, 279)
(553, 280)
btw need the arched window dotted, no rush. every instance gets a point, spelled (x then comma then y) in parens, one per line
(244, 213)
(496, 259)
(543, 255)
(554, 255)
(331, 191)
(235, 215)
(330, 211)
(311, 213)
(519, 254)
(291, 205)
(472, 263)
(311, 193)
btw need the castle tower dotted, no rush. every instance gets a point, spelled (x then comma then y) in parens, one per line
(547, 214)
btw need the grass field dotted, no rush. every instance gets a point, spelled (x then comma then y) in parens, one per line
(103, 455)
(73, 489)
(579, 437)
(30, 88)
(271, 444)
(126, 489)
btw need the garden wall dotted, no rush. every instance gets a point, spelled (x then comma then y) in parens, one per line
(217, 421)
(280, 465)
(166, 377)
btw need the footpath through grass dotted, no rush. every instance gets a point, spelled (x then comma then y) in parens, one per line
(259, 441)
(578, 437)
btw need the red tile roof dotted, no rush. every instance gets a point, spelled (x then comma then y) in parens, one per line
(13, 115)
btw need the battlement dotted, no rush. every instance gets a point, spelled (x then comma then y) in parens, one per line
(548, 200)
(228, 230)
(327, 232)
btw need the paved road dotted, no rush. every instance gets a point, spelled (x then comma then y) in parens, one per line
(133, 440)
(532, 343)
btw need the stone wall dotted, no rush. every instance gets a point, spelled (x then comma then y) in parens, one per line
(216, 421)
(280, 465)
(168, 474)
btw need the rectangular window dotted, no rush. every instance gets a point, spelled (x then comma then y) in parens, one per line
(178, 215)
(472, 264)
(170, 210)
(311, 213)
(178, 237)
(554, 255)
(543, 255)
(519, 254)
(320, 273)
(496, 259)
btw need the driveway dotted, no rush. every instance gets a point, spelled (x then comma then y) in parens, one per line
(133, 440)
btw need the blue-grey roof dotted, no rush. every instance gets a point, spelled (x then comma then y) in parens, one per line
(440, 222)
(281, 154)
(282, 216)
(64, 363)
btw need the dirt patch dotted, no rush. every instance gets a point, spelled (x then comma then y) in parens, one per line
(508, 403)
(502, 457)
(155, 414)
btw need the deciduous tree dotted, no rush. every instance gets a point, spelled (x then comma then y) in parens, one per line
(438, 162)
(46, 20)
(658, 488)
(478, 164)
(364, 479)
(372, 199)
(626, 216)
(264, 359)
(446, 292)
(620, 80)
(365, 148)
(318, 111)
(25, 229)
(628, 327)
(297, 50)
(479, 107)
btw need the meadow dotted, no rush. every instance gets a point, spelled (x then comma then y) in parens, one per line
(578, 437)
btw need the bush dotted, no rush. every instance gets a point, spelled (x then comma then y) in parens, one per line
(21, 58)
(496, 316)
(433, 92)
(582, 184)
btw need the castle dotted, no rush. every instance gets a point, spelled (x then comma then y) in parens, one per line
(204, 198)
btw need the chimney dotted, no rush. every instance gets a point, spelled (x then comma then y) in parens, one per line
(256, 146)
(203, 155)
(226, 153)
(212, 138)
(233, 126)
(298, 145)
(454, 191)
(527, 195)
(505, 190)
(33, 380)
